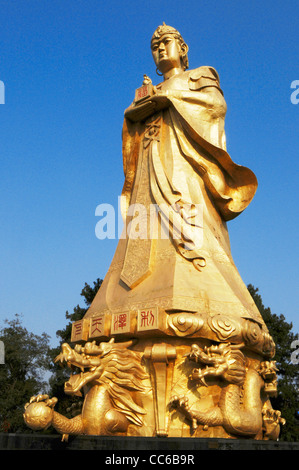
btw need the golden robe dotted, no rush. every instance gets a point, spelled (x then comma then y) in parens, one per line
(175, 159)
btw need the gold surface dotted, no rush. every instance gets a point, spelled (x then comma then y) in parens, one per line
(173, 344)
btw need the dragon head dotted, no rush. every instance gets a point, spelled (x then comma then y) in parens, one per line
(90, 362)
(222, 360)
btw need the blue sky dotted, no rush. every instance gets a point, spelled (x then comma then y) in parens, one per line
(70, 69)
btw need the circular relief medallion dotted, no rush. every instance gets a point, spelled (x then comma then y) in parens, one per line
(252, 333)
(268, 345)
(224, 327)
(184, 324)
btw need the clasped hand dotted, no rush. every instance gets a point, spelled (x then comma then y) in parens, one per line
(140, 112)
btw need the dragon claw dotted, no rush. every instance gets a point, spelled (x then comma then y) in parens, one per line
(179, 402)
(51, 402)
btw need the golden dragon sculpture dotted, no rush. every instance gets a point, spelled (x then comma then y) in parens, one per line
(112, 379)
(120, 386)
(240, 405)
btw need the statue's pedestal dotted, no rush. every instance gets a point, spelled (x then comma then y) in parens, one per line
(144, 448)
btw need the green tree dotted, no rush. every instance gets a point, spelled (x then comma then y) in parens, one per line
(22, 375)
(67, 405)
(288, 375)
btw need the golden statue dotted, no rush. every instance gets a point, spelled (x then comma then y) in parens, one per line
(173, 344)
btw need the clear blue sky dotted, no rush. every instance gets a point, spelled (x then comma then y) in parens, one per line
(70, 68)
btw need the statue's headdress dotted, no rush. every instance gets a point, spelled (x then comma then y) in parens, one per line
(165, 29)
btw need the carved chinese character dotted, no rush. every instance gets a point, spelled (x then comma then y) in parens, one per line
(98, 327)
(147, 319)
(79, 331)
(120, 323)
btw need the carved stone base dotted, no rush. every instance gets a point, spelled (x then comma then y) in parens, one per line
(165, 387)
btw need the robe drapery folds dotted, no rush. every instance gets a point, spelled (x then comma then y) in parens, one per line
(192, 120)
(199, 128)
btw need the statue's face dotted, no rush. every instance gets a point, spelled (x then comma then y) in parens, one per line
(166, 52)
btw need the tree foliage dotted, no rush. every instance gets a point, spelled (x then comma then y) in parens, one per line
(22, 374)
(67, 405)
(288, 375)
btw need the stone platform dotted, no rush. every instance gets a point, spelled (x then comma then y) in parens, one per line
(137, 446)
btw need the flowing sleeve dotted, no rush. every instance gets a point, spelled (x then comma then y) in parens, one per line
(198, 117)
(131, 133)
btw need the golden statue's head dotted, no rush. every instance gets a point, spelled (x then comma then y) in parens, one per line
(165, 31)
